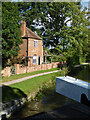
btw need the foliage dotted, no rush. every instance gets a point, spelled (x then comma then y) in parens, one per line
(18, 60)
(80, 72)
(58, 58)
(11, 35)
(88, 45)
(61, 25)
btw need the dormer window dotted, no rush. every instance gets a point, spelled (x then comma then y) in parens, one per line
(35, 43)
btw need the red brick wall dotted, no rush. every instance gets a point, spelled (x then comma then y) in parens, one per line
(26, 69)
(35, 50)
(23, 48)
(21, 70)
(6, 72)
(31, 49)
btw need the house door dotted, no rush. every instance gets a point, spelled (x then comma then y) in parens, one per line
(39, 60)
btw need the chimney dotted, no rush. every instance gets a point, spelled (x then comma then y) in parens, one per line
(23, 28)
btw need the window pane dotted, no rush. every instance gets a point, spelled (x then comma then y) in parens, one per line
(35, 43)
(34, 59)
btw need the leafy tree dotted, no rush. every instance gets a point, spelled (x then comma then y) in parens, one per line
(31, 12)
(88, 45)
(63, 27)
(11, 34)
(68, 40)
(79, 35)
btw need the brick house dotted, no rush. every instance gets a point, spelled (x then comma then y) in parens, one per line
(32, 47)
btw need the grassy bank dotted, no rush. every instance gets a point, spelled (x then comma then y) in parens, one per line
(13, 77)
(30, 86)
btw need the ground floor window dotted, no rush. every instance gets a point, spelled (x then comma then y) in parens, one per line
(34, 59)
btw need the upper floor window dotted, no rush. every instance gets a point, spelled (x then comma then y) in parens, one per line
(35, 43)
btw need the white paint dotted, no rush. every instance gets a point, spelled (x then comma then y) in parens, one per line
(72, 88)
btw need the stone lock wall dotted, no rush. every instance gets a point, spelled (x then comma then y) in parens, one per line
(10, 107)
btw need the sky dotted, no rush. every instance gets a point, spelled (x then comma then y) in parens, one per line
(85, 3)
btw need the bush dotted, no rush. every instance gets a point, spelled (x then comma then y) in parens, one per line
(58, 58)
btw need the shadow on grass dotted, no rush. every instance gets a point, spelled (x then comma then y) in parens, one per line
(11, 93)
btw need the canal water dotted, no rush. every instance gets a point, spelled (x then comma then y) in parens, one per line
(82, 73)
(47, 103)
(52, 100)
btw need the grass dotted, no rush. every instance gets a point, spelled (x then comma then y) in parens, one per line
(29, 86)
(13, 93)
(13, 77)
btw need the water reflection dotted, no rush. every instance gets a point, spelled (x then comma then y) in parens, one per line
(82, 73)
(47, 103)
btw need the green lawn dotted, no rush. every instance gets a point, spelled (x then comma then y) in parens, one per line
(27, 87)
(31, 85)
(13, 77)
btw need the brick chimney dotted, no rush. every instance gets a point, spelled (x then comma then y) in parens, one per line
(23, 28)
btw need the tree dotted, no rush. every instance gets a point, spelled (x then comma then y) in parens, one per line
(63, 27)
(88, 45)
(65, 30)
(11, 34)
(79, 34)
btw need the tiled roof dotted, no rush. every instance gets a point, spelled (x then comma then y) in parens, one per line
(30, 34)
(26, 32)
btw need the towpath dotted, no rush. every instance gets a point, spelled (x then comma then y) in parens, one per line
(82, 64)
(26, 78)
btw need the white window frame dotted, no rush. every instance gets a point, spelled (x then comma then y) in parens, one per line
(35, 43)
(35, 59)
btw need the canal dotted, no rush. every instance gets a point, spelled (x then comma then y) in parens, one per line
(82, 72)
(47, 103)
(52, 100)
